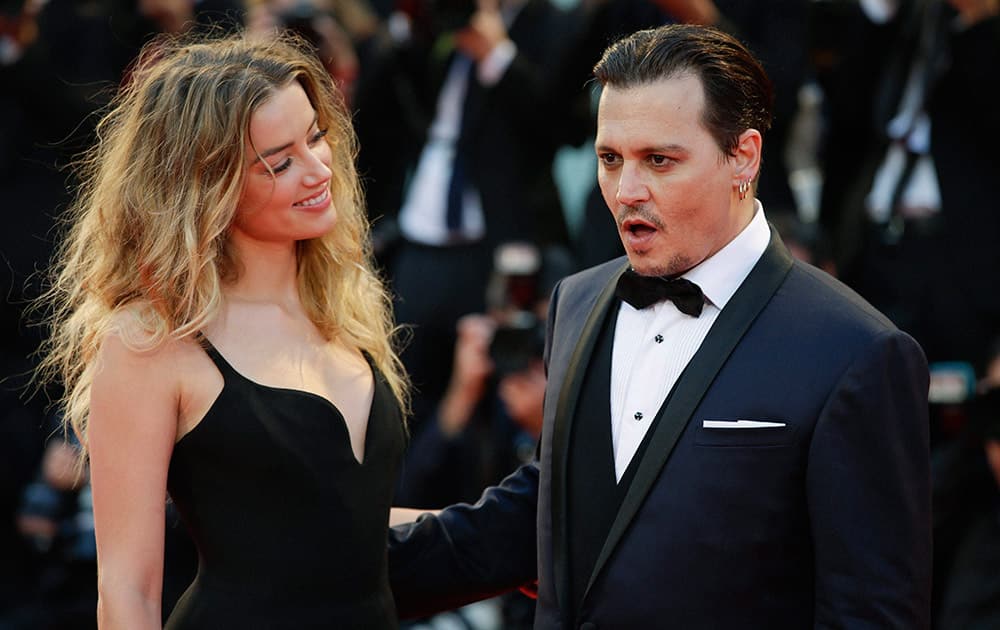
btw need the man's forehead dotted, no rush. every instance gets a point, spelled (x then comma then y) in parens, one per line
(673, 101)
(680, 83)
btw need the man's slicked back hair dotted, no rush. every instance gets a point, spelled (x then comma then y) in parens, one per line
(738, 93)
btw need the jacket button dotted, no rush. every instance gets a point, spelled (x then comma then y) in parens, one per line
(587, 625)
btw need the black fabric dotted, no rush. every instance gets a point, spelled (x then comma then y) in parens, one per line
(290, 527)
(595, 495)
(434, 288)
(644, 291)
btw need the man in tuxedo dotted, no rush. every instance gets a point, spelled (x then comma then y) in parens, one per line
(732, 439)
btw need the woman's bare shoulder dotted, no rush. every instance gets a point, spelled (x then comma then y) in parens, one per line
(131, 342)
(138, 369)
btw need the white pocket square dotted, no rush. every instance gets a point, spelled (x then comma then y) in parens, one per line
(740, 424)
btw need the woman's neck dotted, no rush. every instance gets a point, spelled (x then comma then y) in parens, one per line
(267, 272)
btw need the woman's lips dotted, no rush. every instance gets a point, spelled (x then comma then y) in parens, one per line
(319, 200)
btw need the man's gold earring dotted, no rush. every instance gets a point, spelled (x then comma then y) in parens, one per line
(743, 188)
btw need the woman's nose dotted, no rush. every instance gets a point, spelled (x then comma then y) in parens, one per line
(318, 170)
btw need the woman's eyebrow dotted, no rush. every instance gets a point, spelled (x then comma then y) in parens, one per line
(270, 152)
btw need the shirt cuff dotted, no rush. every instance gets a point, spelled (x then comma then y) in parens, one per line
(491, 69)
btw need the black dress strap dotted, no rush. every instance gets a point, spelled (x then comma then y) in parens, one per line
(216, 357)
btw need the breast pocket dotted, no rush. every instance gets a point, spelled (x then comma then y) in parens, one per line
(730, 433)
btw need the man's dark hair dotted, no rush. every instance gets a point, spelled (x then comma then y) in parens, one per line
(738, 93)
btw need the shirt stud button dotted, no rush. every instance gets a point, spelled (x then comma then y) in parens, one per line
(658, 339)
(638, 415)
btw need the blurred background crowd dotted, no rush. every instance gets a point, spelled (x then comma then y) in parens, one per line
(475, 119)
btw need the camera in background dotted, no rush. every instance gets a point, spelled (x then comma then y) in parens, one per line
(512, 296)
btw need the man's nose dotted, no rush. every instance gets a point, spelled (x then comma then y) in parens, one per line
(632, 188)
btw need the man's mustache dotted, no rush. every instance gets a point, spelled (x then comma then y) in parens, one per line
(639, 212)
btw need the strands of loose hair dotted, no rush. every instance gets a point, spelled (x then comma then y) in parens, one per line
(144, 253)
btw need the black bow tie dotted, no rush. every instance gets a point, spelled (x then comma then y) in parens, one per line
(644, 291)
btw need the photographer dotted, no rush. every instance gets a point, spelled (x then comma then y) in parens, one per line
(55, 522)
(489, 419)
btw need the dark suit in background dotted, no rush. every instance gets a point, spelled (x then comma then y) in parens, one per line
(508, 136)
(935, 275)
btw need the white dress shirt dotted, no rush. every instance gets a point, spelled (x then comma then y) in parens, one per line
(422, 216)
(653, 346)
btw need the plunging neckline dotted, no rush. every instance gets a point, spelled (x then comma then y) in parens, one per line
(302, 393)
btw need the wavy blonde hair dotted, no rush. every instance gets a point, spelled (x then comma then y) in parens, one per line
(148, 232)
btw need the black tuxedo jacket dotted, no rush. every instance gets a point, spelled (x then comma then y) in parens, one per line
(822, 522)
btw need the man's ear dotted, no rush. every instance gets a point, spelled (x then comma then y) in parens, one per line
(746, 159)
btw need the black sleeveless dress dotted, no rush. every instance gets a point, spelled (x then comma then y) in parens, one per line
(290, 527)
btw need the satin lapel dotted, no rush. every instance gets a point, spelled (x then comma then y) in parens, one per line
(733, 322)
(569, 394)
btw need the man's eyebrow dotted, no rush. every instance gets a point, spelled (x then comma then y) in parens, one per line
(270, 152)
(665, 148)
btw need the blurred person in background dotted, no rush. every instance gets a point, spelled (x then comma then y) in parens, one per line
(909, 194)
(339, 30)
(458, 126)
(967, 505)
(59, 63)
(221, 336)
(56, 520)
(488, 422)
(490, 418)
(909, 203)
(57, 60)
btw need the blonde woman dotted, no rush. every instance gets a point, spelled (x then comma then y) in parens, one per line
(221, 336)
